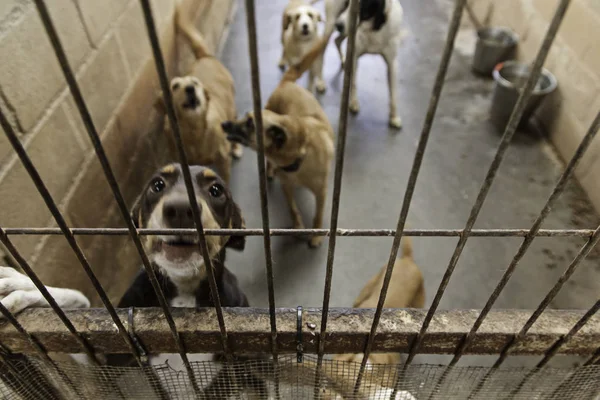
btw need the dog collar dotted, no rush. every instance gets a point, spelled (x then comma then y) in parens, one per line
(293, 167)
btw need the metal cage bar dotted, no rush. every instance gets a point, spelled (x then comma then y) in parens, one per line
(337, 185)
(170, 109)
(553, 350)
(108, 173)
(558, 189)
(414, 173)
(315, 232)
(348, 330)
(495, 165)
(262, 176)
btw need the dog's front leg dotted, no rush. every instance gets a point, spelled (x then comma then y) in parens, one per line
(316, 76)
(223, 164)
(354, 106)
(320, 196)
(392, 66)
(288, 191)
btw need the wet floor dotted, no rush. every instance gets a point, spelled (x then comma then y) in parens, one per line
(377, 165)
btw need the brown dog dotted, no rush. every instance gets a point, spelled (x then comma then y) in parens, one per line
(298, 138)
(203, 99)
(406, 290)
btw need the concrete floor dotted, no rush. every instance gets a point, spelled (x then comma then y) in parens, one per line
(377, 164)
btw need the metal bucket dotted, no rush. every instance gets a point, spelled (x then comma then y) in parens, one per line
(494, 45)
(510, 78)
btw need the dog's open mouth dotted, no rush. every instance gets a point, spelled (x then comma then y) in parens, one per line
(191, 102)
(178, 248)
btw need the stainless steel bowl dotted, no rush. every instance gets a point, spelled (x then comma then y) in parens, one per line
(510, 78)
(494, 45)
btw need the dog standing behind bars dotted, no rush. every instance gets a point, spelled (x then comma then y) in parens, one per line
(202, 99)
(176, 259)
(299, 33)
(298, 138)
(406, 290)
(379, 31)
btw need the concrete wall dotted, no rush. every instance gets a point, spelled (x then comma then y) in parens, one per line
(574, 59)
(107, 46)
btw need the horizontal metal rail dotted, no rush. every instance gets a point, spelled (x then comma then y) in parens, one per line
(347, 331)
(314, 232)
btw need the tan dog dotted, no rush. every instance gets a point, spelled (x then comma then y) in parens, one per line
(298, 138)
(203, 99)
(299, 33)
(406, 290)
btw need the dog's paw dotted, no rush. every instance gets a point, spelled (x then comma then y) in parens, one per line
(321, 86)
(281, 64)
(354, 106)
(396, 122)
(315, 242)
(237, 150)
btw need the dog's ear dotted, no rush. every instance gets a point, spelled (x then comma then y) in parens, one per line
(287, 20)
(277, 135)
(159, 103)
(236, 222)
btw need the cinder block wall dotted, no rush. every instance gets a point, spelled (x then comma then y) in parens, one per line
(108, 48)
(574, 59)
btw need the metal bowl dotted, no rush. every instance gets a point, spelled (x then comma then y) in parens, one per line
(494, 45)
(510, 78)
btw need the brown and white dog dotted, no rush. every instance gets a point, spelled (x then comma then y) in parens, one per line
(299, 33)
(203, 99)
(176, 260)
(298, 139)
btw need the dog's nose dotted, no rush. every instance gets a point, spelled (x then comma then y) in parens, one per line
(304, 27)
(189, 89)
(177, 214)
(227, 126)
(340, 27)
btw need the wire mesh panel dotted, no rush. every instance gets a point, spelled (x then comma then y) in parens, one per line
(297, 379)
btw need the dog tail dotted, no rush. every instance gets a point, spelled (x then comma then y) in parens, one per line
(407, 251)
(295, 72)
(188, 29)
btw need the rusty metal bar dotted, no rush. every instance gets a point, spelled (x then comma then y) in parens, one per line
(583, 252)
(260, 159)
(414, 173)
(187, 177)
(108, 173)
(314, 232)
(348, 331)
(493, 169)
(555, 348)
(558, 189)
(340, 151)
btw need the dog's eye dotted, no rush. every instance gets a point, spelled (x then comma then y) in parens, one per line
(175, 86)
(310, 15)
(216, 190)
(157, 185)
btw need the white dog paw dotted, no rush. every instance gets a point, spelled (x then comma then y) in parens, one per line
(396, 122)
(237, 151)
(354, 107)
(321, 86)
